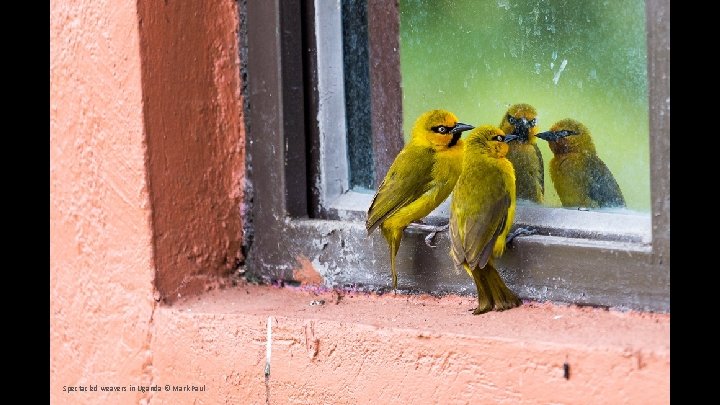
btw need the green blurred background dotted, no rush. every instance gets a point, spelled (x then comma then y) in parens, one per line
(578, 59)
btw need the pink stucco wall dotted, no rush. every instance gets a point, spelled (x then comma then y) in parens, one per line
(194, 127)
(146, 173)
(146, 168)
(353, 348)
(101, 267)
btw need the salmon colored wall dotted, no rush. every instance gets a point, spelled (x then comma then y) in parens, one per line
(101, 268)
(146, 170)
(194, 127)
(353, 348)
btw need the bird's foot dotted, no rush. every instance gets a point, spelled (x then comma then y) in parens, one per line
(432, 229)
(519, 232)
(429, 238)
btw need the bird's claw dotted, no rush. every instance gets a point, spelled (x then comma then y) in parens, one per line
(519, 232)
(432, 229)
(429, 238)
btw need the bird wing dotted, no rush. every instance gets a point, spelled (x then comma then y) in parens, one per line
(602, 187)
(542, 168)
(409, 177)
(473, 236)
(457, 248)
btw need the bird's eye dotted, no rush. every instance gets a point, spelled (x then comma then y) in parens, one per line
(512, 120)
(498, 138)
(532, 122)
(441, 129)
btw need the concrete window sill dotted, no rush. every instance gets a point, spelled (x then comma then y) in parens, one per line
(351, 348)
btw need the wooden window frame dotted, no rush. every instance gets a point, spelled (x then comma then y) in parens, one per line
(304, 212)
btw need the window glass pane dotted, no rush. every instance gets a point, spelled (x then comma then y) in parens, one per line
(585, 60)
(357, 93)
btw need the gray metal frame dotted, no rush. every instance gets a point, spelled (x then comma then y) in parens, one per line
(293, 119)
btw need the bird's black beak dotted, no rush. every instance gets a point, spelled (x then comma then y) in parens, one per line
(460, 128)
(510, 137)
(522, 129)
(457, 131)
(552, 136)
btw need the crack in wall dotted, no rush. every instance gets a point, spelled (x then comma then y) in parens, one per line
(148, 368)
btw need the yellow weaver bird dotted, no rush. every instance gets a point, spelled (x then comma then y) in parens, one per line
(481, 214)
(421, 178)
(581, 178)
(521, 120)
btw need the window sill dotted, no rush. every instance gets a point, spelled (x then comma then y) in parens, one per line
(610, 225)
(559, 263)
(360, 348)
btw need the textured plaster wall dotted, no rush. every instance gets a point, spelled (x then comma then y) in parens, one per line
(351, 348)
(101, 271)
(146, 167)
(193, 118)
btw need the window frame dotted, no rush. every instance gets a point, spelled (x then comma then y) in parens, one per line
(303, 211)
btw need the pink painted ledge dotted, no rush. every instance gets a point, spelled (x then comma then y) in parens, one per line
(349, 348)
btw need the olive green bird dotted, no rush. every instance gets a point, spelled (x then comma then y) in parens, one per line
(481, 214)
(580, 177)
(421, 178)
(521, 120)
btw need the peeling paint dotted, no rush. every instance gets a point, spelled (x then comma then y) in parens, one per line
(306, 273)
